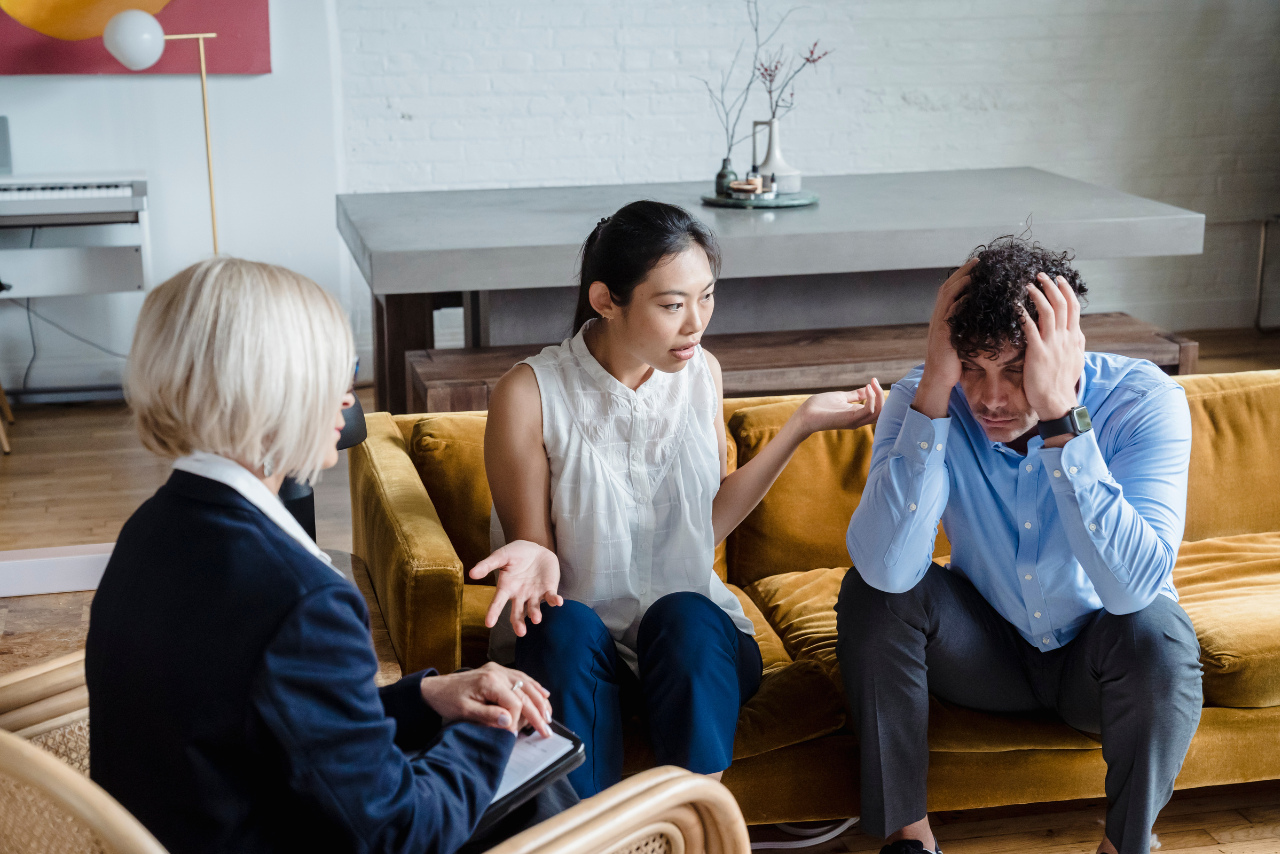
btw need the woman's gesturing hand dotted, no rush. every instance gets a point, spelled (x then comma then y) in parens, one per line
(528, 575)
(491, 695)
(842, 410)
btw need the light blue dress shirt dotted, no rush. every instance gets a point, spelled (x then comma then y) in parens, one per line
(1049, 538)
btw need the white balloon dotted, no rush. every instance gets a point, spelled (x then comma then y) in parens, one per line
(135, 38)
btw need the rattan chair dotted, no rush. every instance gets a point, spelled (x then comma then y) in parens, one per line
(661, 811)
(46, 806)
(48, 704)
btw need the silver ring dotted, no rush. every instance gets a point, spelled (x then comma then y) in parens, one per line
(519, 684)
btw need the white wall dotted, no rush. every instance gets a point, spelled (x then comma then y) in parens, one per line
(1176, 100)
(276, 168)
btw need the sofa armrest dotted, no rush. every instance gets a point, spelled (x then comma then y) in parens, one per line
(416, 573)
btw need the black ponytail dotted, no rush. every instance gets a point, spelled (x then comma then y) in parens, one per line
(623, 248)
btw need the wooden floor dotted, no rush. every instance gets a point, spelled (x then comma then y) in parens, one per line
(77, 472)
(1242, 819)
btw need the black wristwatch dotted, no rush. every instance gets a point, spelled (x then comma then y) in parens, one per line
(1075, 422)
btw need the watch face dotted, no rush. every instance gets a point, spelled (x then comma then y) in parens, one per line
(1080, 416)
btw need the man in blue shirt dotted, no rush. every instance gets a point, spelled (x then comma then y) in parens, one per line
(1060, 477)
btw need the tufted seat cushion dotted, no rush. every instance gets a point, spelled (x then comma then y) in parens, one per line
(1230, 587)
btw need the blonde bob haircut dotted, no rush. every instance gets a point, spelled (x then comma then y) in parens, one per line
(245, 360)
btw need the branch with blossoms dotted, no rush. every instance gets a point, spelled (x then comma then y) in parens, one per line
(729, 106)
(777, 73)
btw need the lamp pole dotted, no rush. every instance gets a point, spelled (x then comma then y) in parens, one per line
(208, 149)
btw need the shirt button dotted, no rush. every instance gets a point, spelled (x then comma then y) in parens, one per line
(1026, 524)
(1028, 468)
(938, 447)
(924, 446)
(1044, 639)
(1037, 615)
(1092, 527)
(1073, 469)
(911, 507)
(1057, 473)
(1027, 576)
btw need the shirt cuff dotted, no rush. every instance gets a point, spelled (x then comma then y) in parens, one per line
(1076, 465)
(416, 722)
(922, 439)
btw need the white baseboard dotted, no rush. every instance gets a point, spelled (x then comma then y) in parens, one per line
(30, 572)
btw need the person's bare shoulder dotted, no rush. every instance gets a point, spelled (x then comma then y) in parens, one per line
(516, 399)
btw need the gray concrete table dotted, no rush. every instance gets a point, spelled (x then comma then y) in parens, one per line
(869, 254)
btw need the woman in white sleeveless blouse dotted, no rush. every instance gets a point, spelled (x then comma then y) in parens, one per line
(606, 459)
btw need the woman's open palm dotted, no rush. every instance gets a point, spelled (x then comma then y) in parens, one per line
(528, 575)
(843, 410)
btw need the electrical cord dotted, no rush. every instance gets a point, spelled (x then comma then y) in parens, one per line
(813, 836)
(32, 332)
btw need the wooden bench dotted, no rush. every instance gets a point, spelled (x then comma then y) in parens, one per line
(761, 363)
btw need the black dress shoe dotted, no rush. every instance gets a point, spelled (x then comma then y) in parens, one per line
(907, 846)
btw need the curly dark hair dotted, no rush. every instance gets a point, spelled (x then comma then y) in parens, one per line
(987, 318)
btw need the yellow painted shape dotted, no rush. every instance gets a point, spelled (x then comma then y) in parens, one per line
(73, 20)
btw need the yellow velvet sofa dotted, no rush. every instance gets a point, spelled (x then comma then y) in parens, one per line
(421, 517)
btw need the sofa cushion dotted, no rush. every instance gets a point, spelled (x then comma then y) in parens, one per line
(1235, 419)
(801, 521)
(1230, 587)
(800, 606)
(447, 449)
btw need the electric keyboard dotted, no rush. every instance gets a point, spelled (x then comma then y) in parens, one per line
(48, 200)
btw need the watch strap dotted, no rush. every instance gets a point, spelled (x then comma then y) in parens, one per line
(1069, 424)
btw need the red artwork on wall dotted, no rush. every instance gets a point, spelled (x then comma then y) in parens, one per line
(65, 36)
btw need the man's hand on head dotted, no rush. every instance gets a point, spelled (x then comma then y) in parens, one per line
(941, 362)
(1055, 349)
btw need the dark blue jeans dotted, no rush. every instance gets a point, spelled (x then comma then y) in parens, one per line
(696, 671)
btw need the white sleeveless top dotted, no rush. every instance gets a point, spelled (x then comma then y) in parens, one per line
(633, 475)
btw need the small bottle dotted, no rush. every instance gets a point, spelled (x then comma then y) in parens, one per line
(767, 186)
(724, 177)
(754, 177)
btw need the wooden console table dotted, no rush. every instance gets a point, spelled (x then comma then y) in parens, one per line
(871, 253)
(761, 363)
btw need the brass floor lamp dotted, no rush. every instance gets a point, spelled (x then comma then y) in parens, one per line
(137, 40)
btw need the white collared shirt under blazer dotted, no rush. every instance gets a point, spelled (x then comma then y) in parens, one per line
(633, 477)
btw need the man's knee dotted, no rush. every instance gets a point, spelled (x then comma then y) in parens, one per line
(1157, 644)
(862, 609)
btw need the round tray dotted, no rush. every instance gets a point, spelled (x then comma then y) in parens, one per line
(786, 200)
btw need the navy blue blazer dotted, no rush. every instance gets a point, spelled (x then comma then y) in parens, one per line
(232, 698)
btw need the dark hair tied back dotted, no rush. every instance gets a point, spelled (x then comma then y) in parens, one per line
(622, 249)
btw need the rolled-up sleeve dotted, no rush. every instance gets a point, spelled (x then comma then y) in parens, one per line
(315, 692)
(891, 534)
(1124, 517)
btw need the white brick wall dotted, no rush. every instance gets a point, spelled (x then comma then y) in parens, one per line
(1171, 99)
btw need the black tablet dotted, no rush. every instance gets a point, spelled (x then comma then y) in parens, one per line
(535, 763)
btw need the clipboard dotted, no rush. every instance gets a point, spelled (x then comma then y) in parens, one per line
(563, 764)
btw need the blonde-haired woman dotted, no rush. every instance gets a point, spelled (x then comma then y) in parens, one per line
(229, 665)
